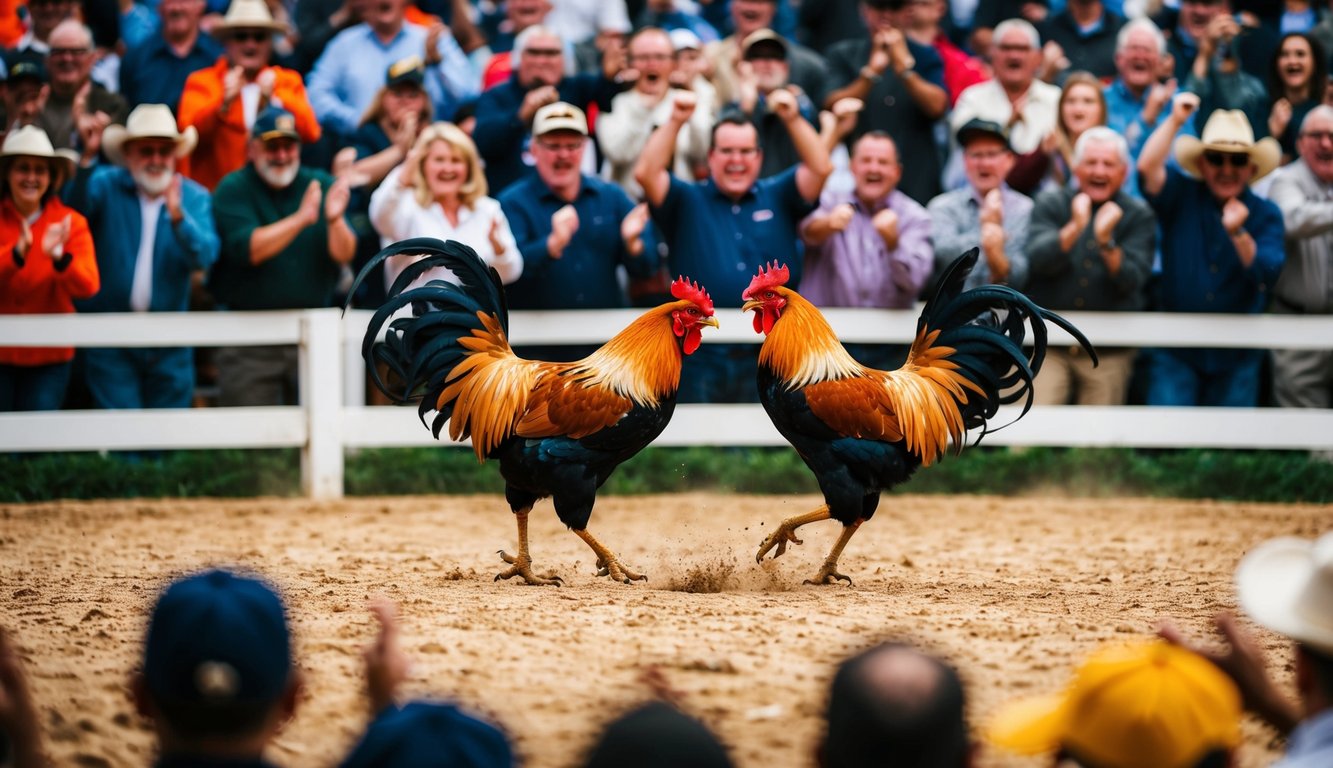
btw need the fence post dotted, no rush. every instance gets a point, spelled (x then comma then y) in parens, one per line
(321, 399)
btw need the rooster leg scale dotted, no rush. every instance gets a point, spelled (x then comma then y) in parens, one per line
(787, 533)
(607, 561)
(522, 562)
(828, 573)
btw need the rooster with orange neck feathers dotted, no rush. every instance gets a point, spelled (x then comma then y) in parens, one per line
(557, 429)
(861, 430)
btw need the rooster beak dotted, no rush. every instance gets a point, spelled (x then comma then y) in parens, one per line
(709, 321)
(751, 304)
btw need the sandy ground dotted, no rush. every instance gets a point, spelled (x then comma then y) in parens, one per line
(1014, 591)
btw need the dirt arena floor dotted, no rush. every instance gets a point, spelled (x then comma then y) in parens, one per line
(1014, 591)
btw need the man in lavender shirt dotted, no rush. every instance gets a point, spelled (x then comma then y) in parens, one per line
(871, 246)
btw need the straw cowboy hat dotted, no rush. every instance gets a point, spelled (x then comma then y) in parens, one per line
(1227, 130)
(1286, 585)
(147, 121)
(248, 14)
(31, 141)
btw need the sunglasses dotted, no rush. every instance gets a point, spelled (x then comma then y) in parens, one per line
(1218, 159)
(254, 36)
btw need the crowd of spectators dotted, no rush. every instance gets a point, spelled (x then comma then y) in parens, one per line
(1105, 155)
(219, 677)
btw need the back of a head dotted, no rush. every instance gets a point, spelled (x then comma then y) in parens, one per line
(430, 735)
(1142, 704)
(894, 706)
(657, 735)
(217, 658)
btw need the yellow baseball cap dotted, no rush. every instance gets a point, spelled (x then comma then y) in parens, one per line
(1143, 704)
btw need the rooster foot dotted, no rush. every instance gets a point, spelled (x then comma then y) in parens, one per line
(778, 538)
(523, 567)
(618, 572)
(828, 575)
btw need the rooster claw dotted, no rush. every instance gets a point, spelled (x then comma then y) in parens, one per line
(620, 573)
(827, 575)
(778, 538)
(523, 567)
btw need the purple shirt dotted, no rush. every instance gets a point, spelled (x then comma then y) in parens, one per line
(854, 268)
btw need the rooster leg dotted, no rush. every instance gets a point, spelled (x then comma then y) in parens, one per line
(787, 533)
(607, 561)
(522, 562)
(828, 573)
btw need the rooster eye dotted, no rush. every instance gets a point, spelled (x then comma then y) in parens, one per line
(769, 294)
(693, 311)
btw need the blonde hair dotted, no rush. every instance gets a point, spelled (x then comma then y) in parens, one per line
(376, 109)
(475, 186)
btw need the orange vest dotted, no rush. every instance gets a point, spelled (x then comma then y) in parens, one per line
(37, 288)
(223, 138)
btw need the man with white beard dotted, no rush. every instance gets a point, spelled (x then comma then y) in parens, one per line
(285, 241)
(154, 231)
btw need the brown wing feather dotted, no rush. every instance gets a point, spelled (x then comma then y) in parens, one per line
(568, 405)
(856, 407)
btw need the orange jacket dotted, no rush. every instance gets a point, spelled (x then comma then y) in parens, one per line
(223, 138)
(37, 288)
(11, 27)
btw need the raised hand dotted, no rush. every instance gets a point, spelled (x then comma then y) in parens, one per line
(1279, 117)
(1080, 210)
(682, 107)
(53, 241)
(266, 80)
(1234, 215)
(992, 208)
(840, 217)
(535, 100)
(782, 102)
(632, 226)
(1159, 95)
(231, 85)
(387, 666)
(886, 224)
(171, 199)
(1103, 226)
(494, 235)
(1183, 105)
(335, 201)
(309, 209)
(564, 223)
(433, 35)
(880, 55)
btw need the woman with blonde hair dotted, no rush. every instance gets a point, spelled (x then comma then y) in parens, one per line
(46, 262)
(440, 191)
(1082, 106)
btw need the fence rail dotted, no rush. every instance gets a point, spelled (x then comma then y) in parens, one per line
(332, 417)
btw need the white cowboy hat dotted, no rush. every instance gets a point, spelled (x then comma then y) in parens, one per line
(1286, 584)
(147, 121)
(31, 141)
(248, 14)
(1228, 130)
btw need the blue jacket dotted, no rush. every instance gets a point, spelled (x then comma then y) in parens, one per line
(106, 195)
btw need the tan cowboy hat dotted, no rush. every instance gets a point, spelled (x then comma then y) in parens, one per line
(1286, 585)
(248, 14)
(1227, 130)
(31, 141)
(147, 121)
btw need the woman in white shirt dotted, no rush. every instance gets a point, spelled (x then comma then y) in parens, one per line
(440, 191)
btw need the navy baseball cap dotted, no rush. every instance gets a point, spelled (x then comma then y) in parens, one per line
(978, 128)
(274, 123)
(216, 638)
(411, 70)
(430, 735)
(27, 68)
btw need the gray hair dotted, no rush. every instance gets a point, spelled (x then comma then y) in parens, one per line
(1100, 134)
(1008, 25)
(1323, 110)
(524, 37)
(83, 29)
(1146, 24)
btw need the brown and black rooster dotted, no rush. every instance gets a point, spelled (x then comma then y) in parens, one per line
(557, 429)
(862, 430)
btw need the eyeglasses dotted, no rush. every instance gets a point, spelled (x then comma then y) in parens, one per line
(542, 52)
(741, 151)
(985, 156)
(1318, 135)
(57, 52)
(564, 146)
(1235, 159)
(250, 36)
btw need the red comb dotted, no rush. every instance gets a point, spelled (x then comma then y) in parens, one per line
(684, 289)
(770, 276)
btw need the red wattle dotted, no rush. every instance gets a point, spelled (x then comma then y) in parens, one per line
(769, 319)
(758, 321)
(692, 339)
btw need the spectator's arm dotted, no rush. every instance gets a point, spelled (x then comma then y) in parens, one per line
(1152, 160)
(1137, 236)
(390, 206)
(269, 240)
(80, 279)
(18, 711)
(815, 165)
(1302, 217)
(1265, 230)
(911, 263)
(195, 233)
(386, 664)
(1049, 243)
(508, 261)
(322, 87)
(456, 76)
(201, 105)
(817, 228)
(924, 86)
(652, 171)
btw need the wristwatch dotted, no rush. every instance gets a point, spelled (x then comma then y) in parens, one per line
(870, 74)
(1109, 245)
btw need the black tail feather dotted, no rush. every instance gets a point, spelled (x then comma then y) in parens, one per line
(987, 327)
(421, 349)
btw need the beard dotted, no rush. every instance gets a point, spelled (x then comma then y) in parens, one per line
(153, 182)
(274, 176)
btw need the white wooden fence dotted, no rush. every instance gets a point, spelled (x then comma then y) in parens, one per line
(332, 417)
